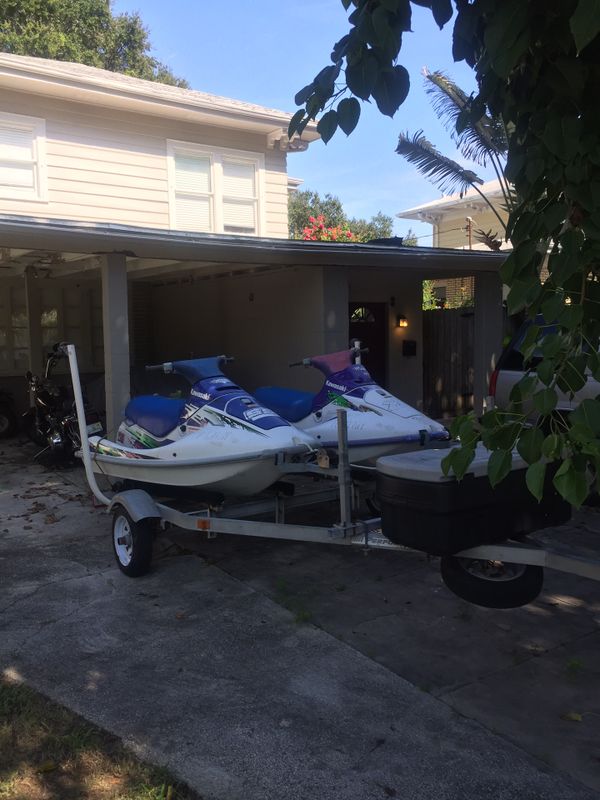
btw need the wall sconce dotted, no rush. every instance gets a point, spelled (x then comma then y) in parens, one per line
(401, 321)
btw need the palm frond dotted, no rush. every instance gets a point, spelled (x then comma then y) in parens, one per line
(488, 238)
(442, 171)
(480, 139)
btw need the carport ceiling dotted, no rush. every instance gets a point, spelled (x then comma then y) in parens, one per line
(60, 249)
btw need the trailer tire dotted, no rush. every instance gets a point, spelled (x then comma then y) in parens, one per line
(492, 584)
(132, 543)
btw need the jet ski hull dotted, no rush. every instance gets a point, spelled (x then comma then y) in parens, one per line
(234, 475)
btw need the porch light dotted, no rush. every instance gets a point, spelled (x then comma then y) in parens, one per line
(401, 321)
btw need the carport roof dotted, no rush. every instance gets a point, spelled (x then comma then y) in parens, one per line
(71, 246)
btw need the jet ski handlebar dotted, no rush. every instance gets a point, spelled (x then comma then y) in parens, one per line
(310, 362)
(184, 367)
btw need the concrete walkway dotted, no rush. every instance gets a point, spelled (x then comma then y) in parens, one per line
(204, 669)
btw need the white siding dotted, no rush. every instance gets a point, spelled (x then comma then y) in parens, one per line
(452, 229)
(110, 167)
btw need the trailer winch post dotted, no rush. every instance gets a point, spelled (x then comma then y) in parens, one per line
(85, 448)
(344, 476)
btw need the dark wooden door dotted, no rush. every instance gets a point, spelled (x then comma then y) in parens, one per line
(369, 324)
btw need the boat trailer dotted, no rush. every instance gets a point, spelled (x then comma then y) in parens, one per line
(503, 575)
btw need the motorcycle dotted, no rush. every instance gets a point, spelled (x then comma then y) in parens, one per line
(51, 422)
(8, 416)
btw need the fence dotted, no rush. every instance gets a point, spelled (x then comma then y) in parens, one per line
(448, 361)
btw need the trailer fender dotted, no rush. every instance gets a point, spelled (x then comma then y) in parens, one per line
(138, 504)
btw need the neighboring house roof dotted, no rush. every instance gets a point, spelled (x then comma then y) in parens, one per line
(78, 82)
(294, 184)
(471, 200)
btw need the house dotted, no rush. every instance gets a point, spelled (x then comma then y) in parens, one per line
(147, 223)
(455, 221)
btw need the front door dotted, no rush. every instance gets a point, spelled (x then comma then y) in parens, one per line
(369, 324)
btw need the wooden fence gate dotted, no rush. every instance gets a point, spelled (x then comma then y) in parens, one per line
(448, 361)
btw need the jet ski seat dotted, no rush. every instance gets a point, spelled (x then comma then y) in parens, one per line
(290, 404)
(155, 414)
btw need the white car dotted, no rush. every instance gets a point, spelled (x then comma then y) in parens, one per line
(510, 370)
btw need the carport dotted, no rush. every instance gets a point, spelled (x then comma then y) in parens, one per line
(169, 294)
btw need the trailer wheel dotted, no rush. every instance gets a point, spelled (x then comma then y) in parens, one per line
(132, 543)
(492, 584)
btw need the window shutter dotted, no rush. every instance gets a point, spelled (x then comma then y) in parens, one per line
(193, 192)
(239, 197)
(17, 160)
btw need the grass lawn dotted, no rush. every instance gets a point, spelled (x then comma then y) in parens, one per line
(49, 753)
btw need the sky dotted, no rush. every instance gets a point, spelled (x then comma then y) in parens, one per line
(264, 52)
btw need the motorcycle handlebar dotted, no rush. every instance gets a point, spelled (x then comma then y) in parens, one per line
(166, 367)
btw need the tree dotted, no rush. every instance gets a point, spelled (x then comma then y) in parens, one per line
(483, 141)
(84, 31)
(304, 204)
(536, 65)
(410, 239)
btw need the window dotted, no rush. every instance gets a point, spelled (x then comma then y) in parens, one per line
(362, 314)
(22, 157)
(214, 191)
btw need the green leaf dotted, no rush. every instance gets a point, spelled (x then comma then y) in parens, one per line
(554, 216)
(571, 483)
(303, 95)
(545, 371)
(571, 316)
(588, 413)
(518, 295)
(552, 446)
(499, 466)
(442, 11)
(327, 125)
(348, 112)
(545, 401)
(391, 89)
(462, 460)
(585, 22)
(458, 461)
(551, 345)
(530, 339)
(295, 121)
(325, 80)
(571, 377)
(361, 76)
(530, 444)
(381, 22)
(534, 478)
(551, 308)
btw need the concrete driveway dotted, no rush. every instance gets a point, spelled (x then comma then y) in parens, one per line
(261, 670)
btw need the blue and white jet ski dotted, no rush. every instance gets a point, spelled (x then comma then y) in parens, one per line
(378, 422)
(218, 439)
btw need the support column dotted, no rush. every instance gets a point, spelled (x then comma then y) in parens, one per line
(488, 333)
(335, 309)
(115, 323)
(34, 323)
